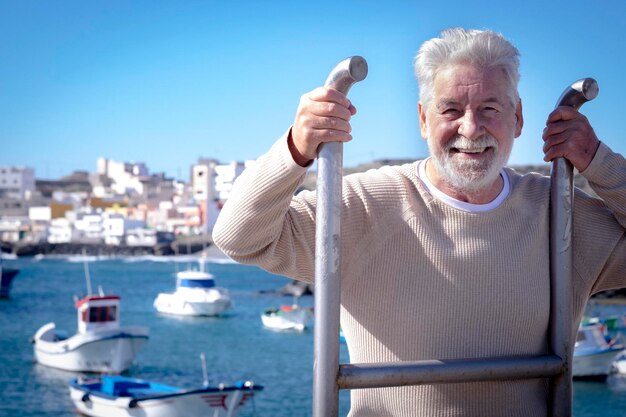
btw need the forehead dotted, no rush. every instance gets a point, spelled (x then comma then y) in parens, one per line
(466, 83)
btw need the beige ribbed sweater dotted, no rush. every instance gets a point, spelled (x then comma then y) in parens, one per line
(423, 280)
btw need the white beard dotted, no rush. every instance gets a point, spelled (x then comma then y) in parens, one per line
(469, 175)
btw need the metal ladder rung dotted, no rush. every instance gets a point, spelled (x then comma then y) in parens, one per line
(395, 374)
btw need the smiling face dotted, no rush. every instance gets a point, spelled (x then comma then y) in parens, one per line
(470, 126)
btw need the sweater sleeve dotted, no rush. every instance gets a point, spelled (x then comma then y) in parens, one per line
(607, 176)
(261, 225)
(601, 255)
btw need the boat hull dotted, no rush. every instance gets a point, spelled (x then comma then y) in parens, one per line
(297, 319)
(201, 304)
(619, 364)
(111, 351)
(197, 403)
(594, 366)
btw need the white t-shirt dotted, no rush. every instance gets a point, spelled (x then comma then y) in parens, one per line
(462, 205)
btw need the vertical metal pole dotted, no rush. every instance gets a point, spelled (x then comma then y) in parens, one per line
(561, 293)
(561, 219)
(328, 255)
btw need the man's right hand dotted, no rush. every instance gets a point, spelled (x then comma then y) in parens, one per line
(323, 116)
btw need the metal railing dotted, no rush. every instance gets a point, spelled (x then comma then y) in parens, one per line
(329, 376)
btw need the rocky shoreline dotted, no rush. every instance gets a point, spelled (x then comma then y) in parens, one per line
(184, 247)
(100, 249)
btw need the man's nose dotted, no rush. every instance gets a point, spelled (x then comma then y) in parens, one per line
(470, 126)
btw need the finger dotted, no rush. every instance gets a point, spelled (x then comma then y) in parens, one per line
(553, 141)
(331, 123)
(549, 156)
(330, 109)
(330, 135)
(309, 131)
(579, 150)
(556, 149)
(308, 120)
(555, 128)
(579, 122)
(329, 94)
(562, 113)
(551, 130)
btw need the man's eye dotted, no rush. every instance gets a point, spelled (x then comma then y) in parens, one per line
(450, 111)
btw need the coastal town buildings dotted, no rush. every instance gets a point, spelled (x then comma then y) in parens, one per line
(120, 204)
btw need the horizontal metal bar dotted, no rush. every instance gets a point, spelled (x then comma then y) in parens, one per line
(396, 374)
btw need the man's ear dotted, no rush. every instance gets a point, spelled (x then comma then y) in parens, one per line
(421, 111)
(519, 119)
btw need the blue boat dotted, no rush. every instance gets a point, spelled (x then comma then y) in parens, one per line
(120, 396)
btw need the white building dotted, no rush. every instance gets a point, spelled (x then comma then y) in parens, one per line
(87, 226)
(115, 228)
(60, 231)
(211, 185)
(225, 176)
(203, 180)
(126, 177)
(16, 182)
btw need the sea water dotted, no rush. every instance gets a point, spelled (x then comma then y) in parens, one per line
(236, 347)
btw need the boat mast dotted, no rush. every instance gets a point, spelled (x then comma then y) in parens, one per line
(205, 373)
(87, 276)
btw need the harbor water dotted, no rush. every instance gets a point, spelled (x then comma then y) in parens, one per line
(236, 347)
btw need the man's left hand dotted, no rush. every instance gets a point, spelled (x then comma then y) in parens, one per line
(568, 134)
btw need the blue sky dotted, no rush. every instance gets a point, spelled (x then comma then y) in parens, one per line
(167, 82)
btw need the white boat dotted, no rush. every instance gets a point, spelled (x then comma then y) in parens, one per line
(293, 317)
(119, 396)
(195, 295)
(594, 352)
(100, 345)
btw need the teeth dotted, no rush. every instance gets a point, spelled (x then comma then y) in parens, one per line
(472, 150)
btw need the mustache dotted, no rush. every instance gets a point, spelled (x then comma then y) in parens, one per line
(479, 144)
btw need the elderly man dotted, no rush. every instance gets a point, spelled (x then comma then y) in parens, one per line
(445, 257)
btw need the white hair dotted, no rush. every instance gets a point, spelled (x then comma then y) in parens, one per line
(481, 48)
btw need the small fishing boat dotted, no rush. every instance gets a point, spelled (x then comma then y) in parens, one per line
(594, 352)
(100, 345)
(119, 396)
(195, 295)
(288, 317)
